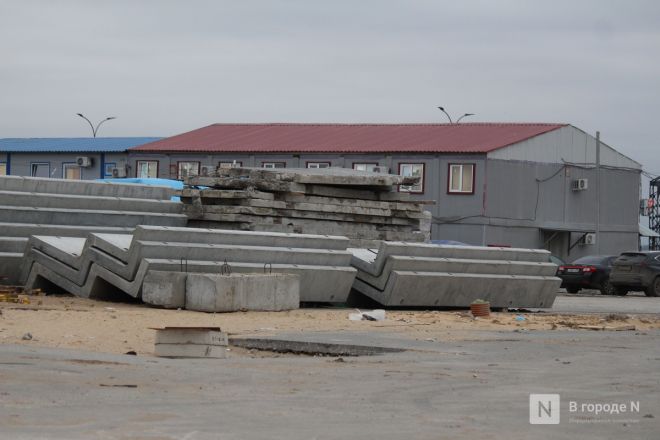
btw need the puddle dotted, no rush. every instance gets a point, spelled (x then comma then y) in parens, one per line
(310, 348)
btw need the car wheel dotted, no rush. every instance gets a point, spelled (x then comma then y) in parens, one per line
(607, 288)
(654, 288)
(572, 289)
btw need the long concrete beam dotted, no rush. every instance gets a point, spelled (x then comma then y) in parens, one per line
(459, 290)
(72, 201)
(456, 265)
(375, 265)
(83, 187)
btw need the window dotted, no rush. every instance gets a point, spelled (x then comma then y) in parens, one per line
(187, 169)
(364, 166)
(232, 164)
(147, 169)
(415, 170)
(318, 164)
(461, 178)
(273, 164)
(40, 169)
(3, 168)
(71, 171)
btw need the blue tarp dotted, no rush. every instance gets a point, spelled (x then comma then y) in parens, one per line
(175, 184)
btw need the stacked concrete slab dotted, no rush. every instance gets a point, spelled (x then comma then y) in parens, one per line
(102, 264)
(363, 206)
(58, 207)
(415, 274)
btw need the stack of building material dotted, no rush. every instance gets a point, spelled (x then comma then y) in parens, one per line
(106, 264)
(363, 206)
(59, 207)
(416, 274)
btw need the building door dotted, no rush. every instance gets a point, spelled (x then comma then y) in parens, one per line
(71, 171)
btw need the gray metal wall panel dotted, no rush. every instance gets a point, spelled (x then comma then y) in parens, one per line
(568, 144)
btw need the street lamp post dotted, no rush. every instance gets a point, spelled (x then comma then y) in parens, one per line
(95, 129)
(465, 115)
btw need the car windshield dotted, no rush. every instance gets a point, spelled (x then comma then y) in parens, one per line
(592, 259)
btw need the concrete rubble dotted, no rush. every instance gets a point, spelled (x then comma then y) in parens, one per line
(58, 207)
(363, 206)
(416, 274)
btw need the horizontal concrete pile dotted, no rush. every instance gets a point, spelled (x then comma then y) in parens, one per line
(415, 274)
(365, 207)
(101, 264)
(58, 207)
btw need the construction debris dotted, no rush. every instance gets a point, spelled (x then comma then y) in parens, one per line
(363, 206)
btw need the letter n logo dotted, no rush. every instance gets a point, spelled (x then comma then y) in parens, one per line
(544, 409)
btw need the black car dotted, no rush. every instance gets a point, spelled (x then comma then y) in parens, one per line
(637, 271)
(592, 272)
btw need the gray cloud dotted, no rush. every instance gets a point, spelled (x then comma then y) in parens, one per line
(165, 67)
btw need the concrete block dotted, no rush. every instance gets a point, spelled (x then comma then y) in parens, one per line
(229, 293)
(191, 335)
(165, 289)
(10, 267)
(190, 351)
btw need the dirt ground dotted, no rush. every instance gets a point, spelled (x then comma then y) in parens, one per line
(68, 322)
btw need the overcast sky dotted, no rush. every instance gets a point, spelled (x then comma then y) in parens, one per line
(165, 67)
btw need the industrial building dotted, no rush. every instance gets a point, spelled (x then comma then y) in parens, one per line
(67, 158)
(533, 185)
(527, 185)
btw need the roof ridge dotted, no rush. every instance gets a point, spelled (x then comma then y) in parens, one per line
(379, 124)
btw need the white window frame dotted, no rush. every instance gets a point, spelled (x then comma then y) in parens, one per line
(318, 165)
(273, 165)
(408, 169)
(460, 168)
(138, 168)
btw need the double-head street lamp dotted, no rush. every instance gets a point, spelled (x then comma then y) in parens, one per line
(95, 129)
(442, 109)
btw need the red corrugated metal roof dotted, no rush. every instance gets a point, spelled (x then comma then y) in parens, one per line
(350, 138)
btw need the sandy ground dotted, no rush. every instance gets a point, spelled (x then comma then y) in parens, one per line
(67, 322)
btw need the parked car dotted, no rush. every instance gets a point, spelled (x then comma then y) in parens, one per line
(637, 271)
(592, 272)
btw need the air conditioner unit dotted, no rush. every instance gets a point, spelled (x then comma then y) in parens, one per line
(119, 172)
(381, 170)
(84, 161)
(590, 238)
(205, 171)
(580, 184)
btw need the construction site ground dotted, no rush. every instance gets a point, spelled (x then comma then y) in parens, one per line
(65, 374)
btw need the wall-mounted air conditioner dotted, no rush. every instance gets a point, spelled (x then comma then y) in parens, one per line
(379, 169)
(84, 161)
(580, 184)
(119, 172)
(590, 238)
